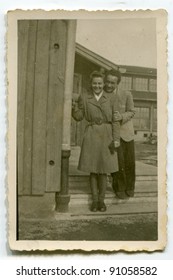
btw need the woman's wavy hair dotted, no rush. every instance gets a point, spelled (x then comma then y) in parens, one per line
(96, 74)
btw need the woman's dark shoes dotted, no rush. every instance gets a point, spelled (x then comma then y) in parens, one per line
(130, 193)
(102, 206)
(94, 206)
(121, 195)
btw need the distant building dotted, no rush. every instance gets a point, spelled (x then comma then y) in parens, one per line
(141, 81)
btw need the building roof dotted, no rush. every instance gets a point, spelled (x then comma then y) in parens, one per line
(94, 58)
(106, 64)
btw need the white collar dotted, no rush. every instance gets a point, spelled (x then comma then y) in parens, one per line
(98, 96)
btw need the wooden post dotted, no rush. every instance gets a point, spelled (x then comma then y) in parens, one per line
(62, 198)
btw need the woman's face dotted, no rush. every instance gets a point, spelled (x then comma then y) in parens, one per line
(97, 85)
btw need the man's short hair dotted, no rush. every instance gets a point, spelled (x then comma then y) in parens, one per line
(115, 73)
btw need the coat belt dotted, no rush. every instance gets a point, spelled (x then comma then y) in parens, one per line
(99, 122)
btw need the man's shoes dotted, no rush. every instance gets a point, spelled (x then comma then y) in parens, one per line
(130, 193)
(94, 206)
(121, 195)
(102, 206)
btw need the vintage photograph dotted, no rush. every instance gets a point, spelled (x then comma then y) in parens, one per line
(87, 130)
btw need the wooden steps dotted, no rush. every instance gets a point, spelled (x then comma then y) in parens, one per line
(144, 184)
(144, 201)
(113, 209)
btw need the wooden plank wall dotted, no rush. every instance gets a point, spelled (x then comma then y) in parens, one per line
(40, 107)
(22, 62)
(28, 102)
(55, 103)
(41, 68)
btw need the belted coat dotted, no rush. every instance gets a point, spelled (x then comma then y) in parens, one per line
(95, 156)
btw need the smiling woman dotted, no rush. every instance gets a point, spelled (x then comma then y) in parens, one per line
(97, 86)
(98, 107)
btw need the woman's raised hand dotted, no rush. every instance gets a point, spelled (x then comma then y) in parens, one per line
(75, 98)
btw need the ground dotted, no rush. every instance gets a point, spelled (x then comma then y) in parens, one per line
(114, 228)
(146, 153)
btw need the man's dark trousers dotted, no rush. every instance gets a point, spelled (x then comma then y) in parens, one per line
(124, 179)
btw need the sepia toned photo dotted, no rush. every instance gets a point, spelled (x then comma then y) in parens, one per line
(87, 95)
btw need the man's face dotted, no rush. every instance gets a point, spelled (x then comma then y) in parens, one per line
(111, 83)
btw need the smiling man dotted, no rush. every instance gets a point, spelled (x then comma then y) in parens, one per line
(123, 182)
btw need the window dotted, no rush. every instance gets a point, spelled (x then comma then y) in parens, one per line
(141, 84)
(142, 118)
(126, 83)
(153, 85)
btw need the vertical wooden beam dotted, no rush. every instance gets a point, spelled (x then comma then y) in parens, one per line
(28, 116)
(62, 199)
(40, 108)
(68, 87)
(23, 28)
(55, 104)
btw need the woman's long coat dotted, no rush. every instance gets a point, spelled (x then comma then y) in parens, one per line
(95, 156)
